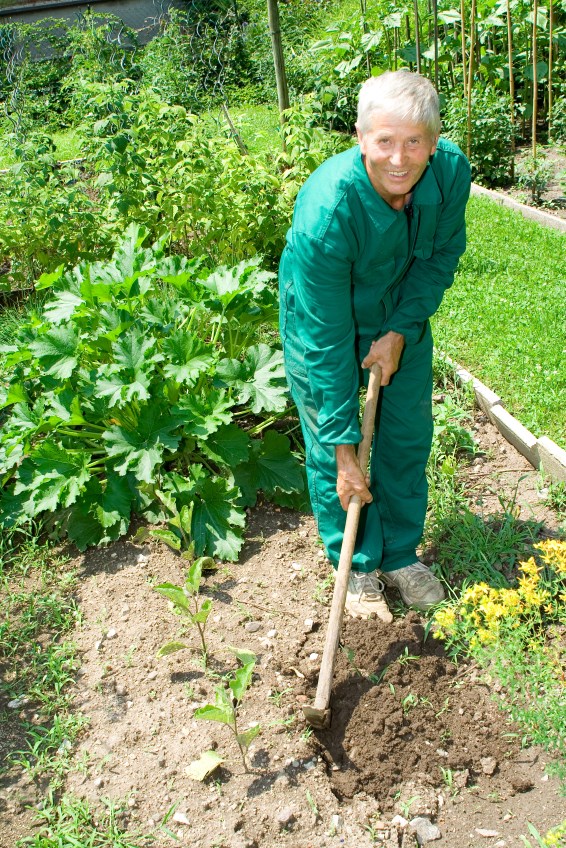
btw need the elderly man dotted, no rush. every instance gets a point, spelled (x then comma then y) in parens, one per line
(376, 236)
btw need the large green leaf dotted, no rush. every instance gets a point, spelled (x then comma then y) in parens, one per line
(57, 351)
(217, 521)
(271, 468)
(142, 446)
(186, 357)
(259, 380)
(53, 476)
(203, 414)
(230, 445)
(129, 375)
(62, 307)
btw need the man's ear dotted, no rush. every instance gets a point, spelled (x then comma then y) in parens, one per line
(359, 134)
(434, 145)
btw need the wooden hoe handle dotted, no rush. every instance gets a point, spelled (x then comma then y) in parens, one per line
(322, 697)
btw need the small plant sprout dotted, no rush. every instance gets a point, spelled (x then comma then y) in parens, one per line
(447, 777)
(408, 702)
(406, 657)
(227, 701)
(186, 604)
(312, 805)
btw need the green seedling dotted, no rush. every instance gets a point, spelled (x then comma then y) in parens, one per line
(228, 700)
(406, 657)
(312, 805)
(186, 604)
(409, 702)
(276, 696)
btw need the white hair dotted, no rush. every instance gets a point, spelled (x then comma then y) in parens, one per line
(405, 95)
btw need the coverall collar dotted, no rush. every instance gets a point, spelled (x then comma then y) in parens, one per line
(426, 193)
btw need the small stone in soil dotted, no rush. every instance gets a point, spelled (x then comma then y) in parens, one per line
(253, 626)
(425, 830)
(488, 765)
(284, 817)
(486, 832)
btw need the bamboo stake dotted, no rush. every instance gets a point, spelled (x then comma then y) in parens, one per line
(550, 57)
(535, 80)
(471, 76)
(435, 26)
(511, 87)
(418, 37)
(463, 22)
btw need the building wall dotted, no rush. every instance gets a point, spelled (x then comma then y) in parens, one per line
(141, 15)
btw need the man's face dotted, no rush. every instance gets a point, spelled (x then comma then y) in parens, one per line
(396, 153)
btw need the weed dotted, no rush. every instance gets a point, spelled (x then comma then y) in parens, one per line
(322, 591)
(276, 697)
(406, 657)
(306, 734)
(312, 805)
(408, 702)
(72, 822)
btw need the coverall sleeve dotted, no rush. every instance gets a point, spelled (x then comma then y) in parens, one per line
(325, 324)
(426, 281)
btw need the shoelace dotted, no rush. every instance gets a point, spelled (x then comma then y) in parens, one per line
(375, 587)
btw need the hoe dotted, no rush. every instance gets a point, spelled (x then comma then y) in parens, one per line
(319, 715)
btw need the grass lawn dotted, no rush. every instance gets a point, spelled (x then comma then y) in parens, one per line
(505, 317)
(67, 144)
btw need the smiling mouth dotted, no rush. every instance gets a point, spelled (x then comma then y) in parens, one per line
(397, 173)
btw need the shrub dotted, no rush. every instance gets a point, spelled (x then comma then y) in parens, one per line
(492, 134)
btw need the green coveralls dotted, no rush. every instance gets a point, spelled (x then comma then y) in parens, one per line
(352, 270)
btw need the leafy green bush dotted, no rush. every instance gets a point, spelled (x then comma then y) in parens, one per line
(144, 375)
(535, 174)
(492, 134)
(46, 214)
(558, 126)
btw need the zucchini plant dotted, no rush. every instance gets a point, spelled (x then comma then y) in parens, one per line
(142, 375)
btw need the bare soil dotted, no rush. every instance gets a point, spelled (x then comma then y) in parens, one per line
(421, 738)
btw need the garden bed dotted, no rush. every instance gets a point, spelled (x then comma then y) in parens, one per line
(424, 737)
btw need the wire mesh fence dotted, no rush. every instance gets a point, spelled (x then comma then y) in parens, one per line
(199, 53)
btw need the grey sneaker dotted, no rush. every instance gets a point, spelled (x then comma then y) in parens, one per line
(364, 598)
(416, 584)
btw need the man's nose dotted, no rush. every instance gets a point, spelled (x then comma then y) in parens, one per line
(397, 155)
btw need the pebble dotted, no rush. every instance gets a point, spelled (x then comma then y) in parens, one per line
(142, 558)
(284, 817)
(336, 823)
(486, 832)
(180, 818)
(313, 656)
(296, 566)
(271, 634)
(488, 765)
(253, 626)
(500, 843)
(99, 782)
(112, 633)
(425, 830)
(16, 703)
(308, 625)
(397, 821)
(152, 675)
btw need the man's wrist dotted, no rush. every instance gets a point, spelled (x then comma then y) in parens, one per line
(346, 456)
